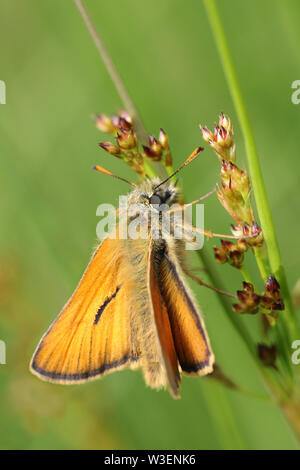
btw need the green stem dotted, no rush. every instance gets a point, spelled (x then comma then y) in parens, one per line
(227, 304)
(247, 278)
(266, 374)
(114, 75)
(260, 262)
(123, 93)
(261, 199)
(119, 85)
(283, 338)
(143, 137)
(245, 274)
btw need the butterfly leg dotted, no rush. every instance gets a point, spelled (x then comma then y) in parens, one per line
(198, 268)
(199, 281)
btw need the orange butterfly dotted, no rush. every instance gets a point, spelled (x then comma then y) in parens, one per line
(132, 308)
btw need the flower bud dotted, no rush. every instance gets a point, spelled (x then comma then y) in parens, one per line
(233, 255)
(267, 354)
(206, 134)
(104, 123)
(116, 121)
(246, 230)
(151, 154)
(220, 255)
(248, 287)
(147, 151)
(155, 146)
(235, 178)
(267, 302)
(272, 299)
(125, 115)
(272, 285)
(249, 300)
(126, 139)
(124, 124)
(242, 246)
(168, 158)
(256, 231)
(243, 308)
(163, 139)
(225, 122)
(110, 148)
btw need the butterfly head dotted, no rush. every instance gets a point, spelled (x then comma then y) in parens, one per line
(152, 194)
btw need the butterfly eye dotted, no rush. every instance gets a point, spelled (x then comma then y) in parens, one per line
(154, 199)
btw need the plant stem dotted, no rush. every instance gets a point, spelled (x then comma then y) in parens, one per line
(120, 87)
(291, 409)
(261, 199)
(267, 377)
(144, 138)
(245, 274)
(260, 262)
(114, 75)
(226, 304)
(288, 323)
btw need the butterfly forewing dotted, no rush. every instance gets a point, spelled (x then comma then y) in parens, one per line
(92, 334)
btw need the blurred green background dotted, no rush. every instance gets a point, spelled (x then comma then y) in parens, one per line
(55, 80)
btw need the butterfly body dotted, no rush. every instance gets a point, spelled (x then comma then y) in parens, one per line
(132, 307)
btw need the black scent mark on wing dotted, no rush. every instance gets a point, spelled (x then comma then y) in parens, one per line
(104, 305)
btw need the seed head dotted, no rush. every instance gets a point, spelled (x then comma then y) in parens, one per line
(221, 140)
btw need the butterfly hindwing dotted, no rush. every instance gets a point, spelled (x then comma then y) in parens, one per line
(189, 334)
(163, 328)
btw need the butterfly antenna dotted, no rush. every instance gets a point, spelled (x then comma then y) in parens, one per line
(187, 161)
(202, 197)
(106, 172)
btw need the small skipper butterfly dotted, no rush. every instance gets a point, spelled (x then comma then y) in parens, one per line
(132, 308)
